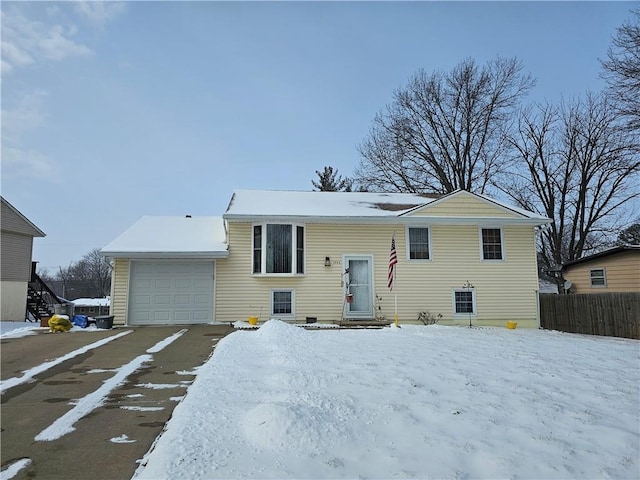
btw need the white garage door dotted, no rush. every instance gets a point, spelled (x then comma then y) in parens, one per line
(170, 292)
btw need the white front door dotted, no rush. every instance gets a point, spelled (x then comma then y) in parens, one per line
(359, 286)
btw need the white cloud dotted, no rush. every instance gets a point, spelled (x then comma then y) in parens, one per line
(18, 161)
(99, 13)
(27, 115)
(57, 46)
(25, 42)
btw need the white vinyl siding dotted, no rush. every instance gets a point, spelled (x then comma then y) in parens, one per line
(119, 290)
(15, 252)
(508, 289)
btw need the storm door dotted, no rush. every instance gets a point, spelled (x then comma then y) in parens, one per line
(359, 287)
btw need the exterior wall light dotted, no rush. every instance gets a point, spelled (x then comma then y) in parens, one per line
(327, 262)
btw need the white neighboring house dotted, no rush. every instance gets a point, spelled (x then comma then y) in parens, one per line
(16, 247)
(92, 306)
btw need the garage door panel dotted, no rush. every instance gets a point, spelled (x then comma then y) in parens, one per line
(200, 299)
(168, 292)
(142, 283)
(182, 283)
(200, 316)
(162, 299)
(161, 316)
(182, 316)
(142, 300)
(182, 299)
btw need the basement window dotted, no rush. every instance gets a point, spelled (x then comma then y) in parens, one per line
(282, 303)
(464, 302)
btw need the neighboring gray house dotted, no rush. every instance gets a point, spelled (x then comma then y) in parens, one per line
(16, 245)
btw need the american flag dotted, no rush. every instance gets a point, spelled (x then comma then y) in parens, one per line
(393, 259)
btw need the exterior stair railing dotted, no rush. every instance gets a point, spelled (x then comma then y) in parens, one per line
(40, 298)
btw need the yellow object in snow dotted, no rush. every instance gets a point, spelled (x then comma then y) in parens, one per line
(59, 323)
(512, 325)
(253, 320)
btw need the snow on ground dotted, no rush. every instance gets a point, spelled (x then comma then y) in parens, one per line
(28, 375)
(414, 402)
(22, 329)
(17, 329)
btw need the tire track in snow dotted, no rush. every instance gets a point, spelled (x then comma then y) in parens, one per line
(43, 367)
(90, 402)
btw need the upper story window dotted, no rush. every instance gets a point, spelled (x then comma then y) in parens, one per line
(419, 245)
(492, 248)
(598, 277)
(278, 249)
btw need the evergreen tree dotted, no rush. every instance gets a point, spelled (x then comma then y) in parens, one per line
(330, 181)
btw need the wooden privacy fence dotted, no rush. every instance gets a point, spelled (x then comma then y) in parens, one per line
(608, 314)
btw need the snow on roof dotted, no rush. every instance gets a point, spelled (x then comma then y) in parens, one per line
(92, 302)
(183, 236)
(278, 203)
(322, 204)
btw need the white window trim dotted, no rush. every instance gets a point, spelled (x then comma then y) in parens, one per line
(408, 244)
(504, 252)
(604, 276)
(473, 300)
(287, 316)
(294, 250)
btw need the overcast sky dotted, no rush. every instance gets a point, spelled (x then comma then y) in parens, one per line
(112, 111)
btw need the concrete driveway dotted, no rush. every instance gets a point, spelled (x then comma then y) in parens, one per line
(108, 440)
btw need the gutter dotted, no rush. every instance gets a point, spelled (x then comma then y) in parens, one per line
(386, 220)
(160, 255)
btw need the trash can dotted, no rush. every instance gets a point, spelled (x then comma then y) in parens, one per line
(64, 309)
(104, 322)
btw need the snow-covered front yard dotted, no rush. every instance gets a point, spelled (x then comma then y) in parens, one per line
(415, 402)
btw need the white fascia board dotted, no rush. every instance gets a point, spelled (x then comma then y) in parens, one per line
(194, 255)
(395, 220)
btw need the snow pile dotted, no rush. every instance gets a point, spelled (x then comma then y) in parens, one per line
(18, 329)
(415, 402)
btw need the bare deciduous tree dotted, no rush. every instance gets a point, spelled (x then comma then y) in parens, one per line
(88, 277)
(622, 70)
(444, 131)
(575, 165)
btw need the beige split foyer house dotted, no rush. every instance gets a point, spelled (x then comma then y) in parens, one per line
(298, 256)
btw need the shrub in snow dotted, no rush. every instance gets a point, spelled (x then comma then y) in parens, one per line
(429, 318)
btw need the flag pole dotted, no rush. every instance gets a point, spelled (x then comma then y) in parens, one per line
(395, 309)
(393, 261)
